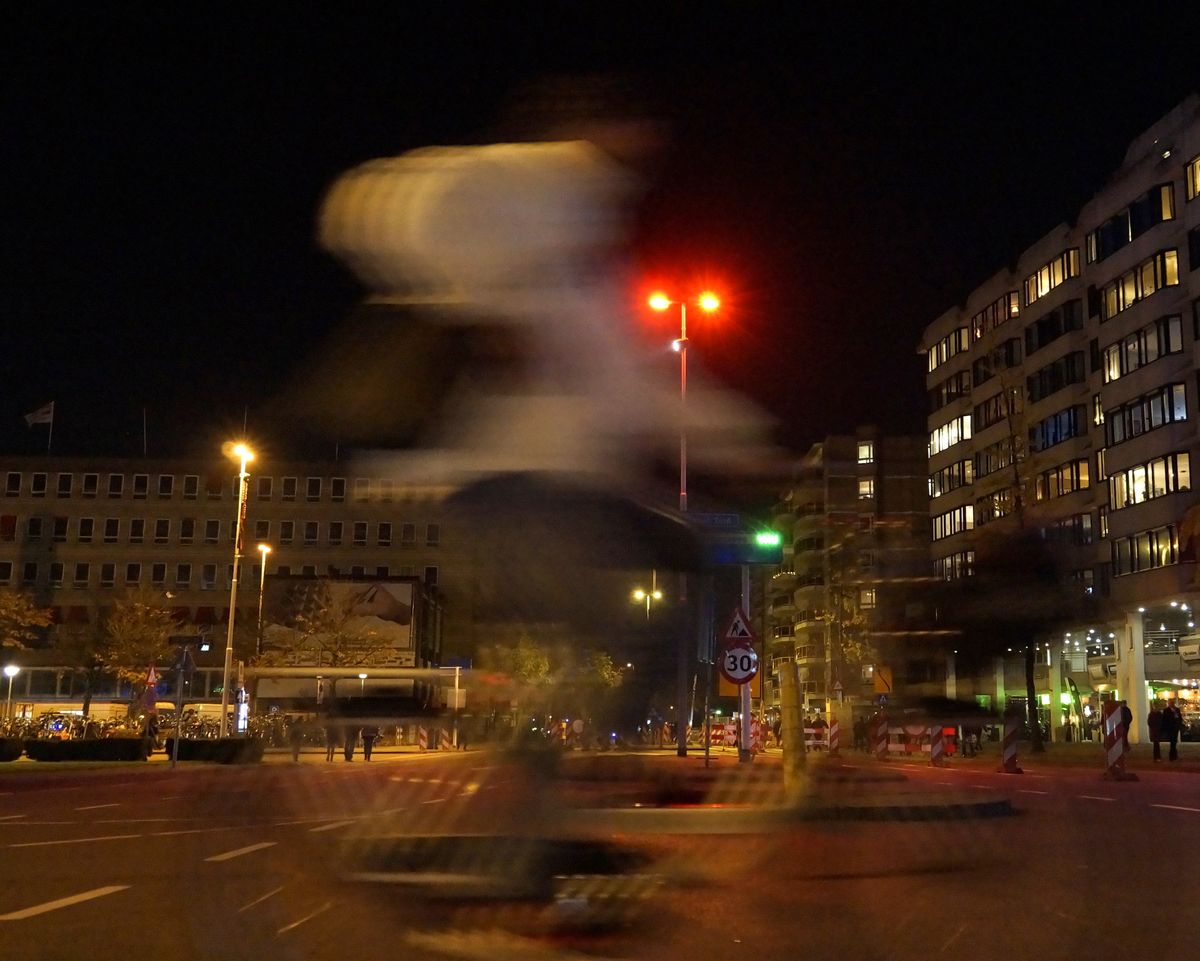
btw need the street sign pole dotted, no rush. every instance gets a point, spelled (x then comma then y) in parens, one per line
(745, 748)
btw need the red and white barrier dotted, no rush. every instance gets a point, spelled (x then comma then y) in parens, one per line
(444, 740)
(1008, 747)
(835, 738)
(422, 739)
(1115, 744)
(936, 747)
(878, 732)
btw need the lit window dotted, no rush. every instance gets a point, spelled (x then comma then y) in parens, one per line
(1193, 178)
(866, 452)
(866, 488)
(866, 598)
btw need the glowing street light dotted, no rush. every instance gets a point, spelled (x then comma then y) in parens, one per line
(654, 594)
(362, 684)
(708, 302)
(245, 454)
(10, 671)
(263, 550)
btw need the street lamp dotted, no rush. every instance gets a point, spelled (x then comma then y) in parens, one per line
(654, 594)
(264, 550)
(362, 685)
(708, 302)
(10, 671)
(246, 455)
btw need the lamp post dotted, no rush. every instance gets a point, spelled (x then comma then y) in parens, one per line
(246, 455)
(10, 671)
(709, 302)
(263, 550)
(362, 685)
(654, 594)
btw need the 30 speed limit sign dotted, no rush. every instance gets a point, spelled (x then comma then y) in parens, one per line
(738, 665)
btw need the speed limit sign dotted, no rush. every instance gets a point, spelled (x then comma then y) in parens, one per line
(738, 664)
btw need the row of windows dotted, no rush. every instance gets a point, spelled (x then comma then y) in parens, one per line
(1045, 330)
(954, 522)
(996, 313)
(1158, 339)
(1075, 530)
(956, 475)
(997, 408)
(1145, 551)
(951, 389)
(264, 488)
(994, 457)
(954, 566)
(946, 436)
(1153, 274)
(955, 342)
(1161, 476)
(1166, 405)
(1058, 427)
(135, 572)
(993, 506)
(1063, 479)
(1001, 357)
(190, 531)
(1153, 207)
(1050, 275)
(1067, 370)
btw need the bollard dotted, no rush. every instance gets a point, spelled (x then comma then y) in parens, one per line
(879, 736)
(422, 739)
(936, 746)
(834, 738)
(1114, 743)
(444, 740)
(1008, 747)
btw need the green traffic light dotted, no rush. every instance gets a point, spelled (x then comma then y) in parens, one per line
(768, 539)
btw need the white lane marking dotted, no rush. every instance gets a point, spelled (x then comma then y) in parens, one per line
(238, 852)
(62, 902)
(436, 800)
(331, 827)
(945, 782)
(171, 797)
(982, 787)
(13, 817)
(96, 807)
(1097, 797)
(1175, 807)
(169, 834)
(1031, 791)
(390, 811)
(269, 894)
(102, 837)
(308, 917)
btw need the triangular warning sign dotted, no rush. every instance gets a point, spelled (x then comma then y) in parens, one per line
(739, 627)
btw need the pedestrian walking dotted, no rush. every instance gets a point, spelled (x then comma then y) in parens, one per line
(296, 738)
(350, 740)
(369, 733)
(1154, 723)
(331, 740)
(1171, 725)
(1127, 723)
(860, 733)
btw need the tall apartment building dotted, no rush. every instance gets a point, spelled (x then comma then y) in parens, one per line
(855, 531)
(1070, 381)
(76, 533)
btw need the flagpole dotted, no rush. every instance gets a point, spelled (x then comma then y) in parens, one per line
(50, 435)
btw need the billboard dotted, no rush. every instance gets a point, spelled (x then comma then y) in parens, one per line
(324, 622)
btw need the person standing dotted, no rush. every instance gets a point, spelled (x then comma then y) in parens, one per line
(331, 740)
(1126, 724)
(350, 732)
(296, 738)
(1154, 723)
(1171, 725)
(369, 733)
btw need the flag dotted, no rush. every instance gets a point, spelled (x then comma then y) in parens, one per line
(43, 415)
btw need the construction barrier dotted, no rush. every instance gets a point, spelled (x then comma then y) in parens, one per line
(444, 740)
(758, 735)
(878, 732)
(1008, 746)
(422, 739)
(1115, 744)
(936, 756)
(835, 738)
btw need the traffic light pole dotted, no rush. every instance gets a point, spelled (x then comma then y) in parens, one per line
(746, 741)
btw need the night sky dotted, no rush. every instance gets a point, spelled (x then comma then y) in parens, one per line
(841, 181)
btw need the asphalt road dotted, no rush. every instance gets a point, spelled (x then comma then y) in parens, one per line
(259, 863)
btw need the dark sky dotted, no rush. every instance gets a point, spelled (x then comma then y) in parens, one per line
(845, 180)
